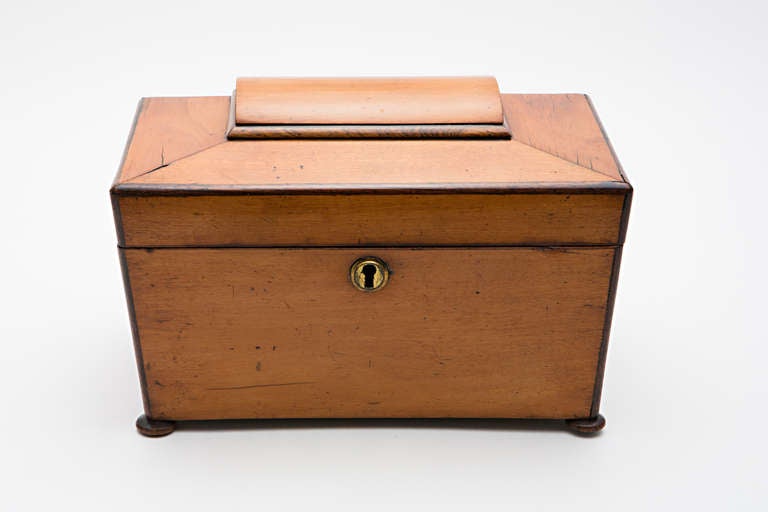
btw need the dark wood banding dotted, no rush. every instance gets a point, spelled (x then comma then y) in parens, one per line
(135, 331)
(359, 131)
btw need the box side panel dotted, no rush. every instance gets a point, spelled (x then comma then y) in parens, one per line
(371, 219)
(457, 332)
(611, 299)
(129, 298)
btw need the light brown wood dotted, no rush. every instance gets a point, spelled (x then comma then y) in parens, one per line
(365, 219)
(334, 163)
(563, 125)
(439, 100)
(262, 333)
(167, 129)
(504, 258)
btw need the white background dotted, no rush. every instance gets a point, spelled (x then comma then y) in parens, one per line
(681, 89)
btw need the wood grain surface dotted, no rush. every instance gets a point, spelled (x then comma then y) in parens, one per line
(167, 129)
(370, 219)
(563, 125)
(263, 333)
(439, 100)
(562, 128)
(339, 163)
(236, 256)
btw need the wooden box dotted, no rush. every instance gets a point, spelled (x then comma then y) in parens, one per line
(370, 248)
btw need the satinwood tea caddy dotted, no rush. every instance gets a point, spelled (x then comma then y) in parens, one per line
(370, 248)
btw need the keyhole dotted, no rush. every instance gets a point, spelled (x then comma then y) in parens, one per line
(369, 271)
(369, 274)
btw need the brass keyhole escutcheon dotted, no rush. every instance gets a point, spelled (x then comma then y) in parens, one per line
(369, 274)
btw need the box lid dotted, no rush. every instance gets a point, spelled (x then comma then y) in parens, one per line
(443, 142)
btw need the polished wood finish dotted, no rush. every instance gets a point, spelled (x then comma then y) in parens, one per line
(132, 316)
(167, 129)
(486, 332)
(563, 125)
(505, 258)
(600, 373)
(322, 101)
(369, 219)
(345, 164)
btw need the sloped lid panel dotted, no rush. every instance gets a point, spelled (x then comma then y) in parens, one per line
(198, 189)
(337, 164)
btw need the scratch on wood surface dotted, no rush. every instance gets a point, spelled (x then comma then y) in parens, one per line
(262, 385)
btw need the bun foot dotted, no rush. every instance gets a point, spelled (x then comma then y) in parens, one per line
(154, 428)
(586, 425)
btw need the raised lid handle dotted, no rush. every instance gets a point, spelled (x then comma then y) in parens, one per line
(367, 107)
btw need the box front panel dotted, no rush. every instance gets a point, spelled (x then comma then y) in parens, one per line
(371, 219)
(456, 332)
